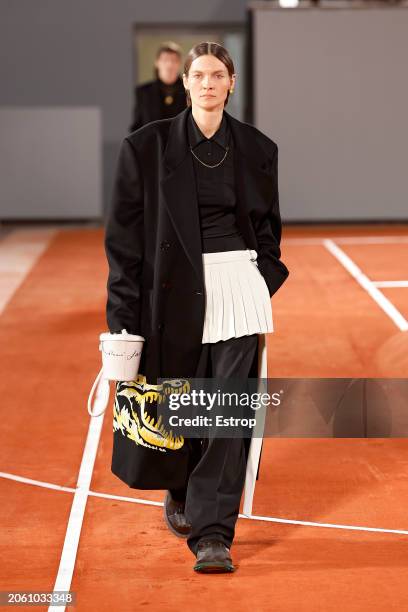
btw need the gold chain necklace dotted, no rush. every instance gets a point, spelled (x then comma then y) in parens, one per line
(207, 165)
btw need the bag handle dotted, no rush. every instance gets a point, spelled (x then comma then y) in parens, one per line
(101, 394)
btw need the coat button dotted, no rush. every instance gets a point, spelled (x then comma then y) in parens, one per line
(161, 326)
(166, 285)
(164, 245)
(198, 292)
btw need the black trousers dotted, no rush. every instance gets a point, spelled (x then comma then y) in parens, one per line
(217, 465)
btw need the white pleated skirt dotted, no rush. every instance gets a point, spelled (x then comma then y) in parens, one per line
(237, 301)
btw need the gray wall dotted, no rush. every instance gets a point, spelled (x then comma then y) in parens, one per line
(79, 53)
(47, 177)
(336, 161)
(332, 91)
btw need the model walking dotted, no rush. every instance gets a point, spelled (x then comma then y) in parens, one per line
(192, 241)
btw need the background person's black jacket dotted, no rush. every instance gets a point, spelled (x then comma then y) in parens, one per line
(148, 104)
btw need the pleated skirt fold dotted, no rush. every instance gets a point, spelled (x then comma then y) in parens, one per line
(237, 296)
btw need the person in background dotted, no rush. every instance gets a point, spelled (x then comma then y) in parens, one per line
(163, 97)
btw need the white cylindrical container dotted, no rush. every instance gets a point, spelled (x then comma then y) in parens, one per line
(120, 355)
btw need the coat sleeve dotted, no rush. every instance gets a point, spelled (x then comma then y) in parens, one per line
(124, 244)
(268, 233)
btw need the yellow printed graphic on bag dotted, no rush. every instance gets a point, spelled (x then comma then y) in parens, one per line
(131, 412)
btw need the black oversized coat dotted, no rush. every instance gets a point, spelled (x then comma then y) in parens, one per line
(153, 245)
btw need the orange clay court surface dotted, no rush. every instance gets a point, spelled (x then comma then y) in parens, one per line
(68, 523)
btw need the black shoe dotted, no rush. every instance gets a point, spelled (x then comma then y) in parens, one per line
(174, 517)
(213, 556)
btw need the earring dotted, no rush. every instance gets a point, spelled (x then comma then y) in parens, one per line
(232, 90)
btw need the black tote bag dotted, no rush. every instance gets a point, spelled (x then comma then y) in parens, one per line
(145, 455)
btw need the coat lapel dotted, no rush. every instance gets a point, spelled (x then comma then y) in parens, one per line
(179, 190)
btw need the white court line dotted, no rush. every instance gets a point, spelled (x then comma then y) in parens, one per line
(330, 525)
(348, 240)
(365, 282)
(19, 251)
(148, 502)
(76, 517)
(372, 239)
(402, 283)
(37, 483)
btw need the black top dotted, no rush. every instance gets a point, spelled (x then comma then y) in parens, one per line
(215, 187)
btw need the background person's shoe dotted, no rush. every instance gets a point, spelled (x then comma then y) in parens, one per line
(174, 517)
(213, 556)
